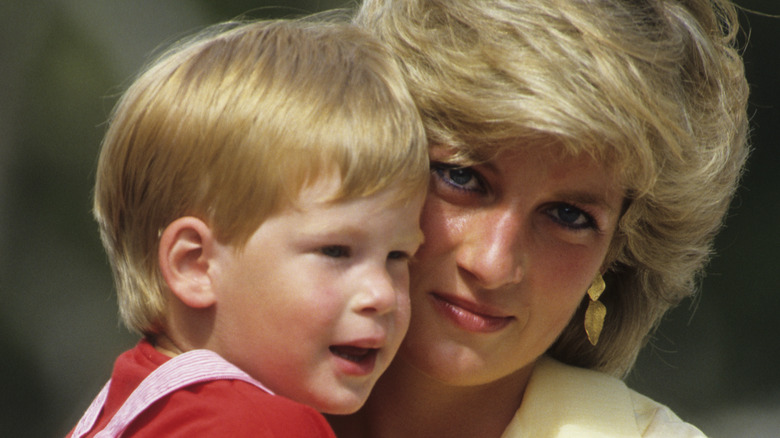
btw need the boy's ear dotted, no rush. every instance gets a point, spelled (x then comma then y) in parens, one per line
(186, 246)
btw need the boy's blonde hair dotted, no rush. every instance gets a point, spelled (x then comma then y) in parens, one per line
(654, 89)
(230, 126)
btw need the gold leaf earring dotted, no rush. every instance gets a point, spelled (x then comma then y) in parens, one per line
(594, 315)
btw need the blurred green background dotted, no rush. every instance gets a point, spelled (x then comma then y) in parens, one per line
(63, 64)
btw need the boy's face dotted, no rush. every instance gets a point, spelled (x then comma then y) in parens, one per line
(317, 303)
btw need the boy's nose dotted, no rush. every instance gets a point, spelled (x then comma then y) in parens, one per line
(378, 295)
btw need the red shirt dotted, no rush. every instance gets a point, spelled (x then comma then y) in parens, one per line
(219, 408)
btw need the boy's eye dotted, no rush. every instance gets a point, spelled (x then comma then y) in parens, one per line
(335, 251)
(398, 255)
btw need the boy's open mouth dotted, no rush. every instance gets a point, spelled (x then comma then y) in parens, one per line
(354, 354)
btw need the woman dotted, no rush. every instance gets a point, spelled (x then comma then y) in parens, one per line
(572, 141)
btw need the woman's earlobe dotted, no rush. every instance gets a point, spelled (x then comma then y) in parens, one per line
(184, 259)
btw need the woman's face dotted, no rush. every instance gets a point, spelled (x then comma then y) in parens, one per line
(510, 248)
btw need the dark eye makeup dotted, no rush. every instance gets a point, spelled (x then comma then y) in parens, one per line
(468, 180)
(457, 177)
(571, 217)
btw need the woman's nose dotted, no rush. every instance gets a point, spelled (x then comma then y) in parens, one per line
(491, 247)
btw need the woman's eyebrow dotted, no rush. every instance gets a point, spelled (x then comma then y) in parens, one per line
(586, 197)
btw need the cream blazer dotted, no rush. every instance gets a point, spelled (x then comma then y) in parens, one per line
(562, 401)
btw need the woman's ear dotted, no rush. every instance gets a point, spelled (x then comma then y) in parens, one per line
(185, 251)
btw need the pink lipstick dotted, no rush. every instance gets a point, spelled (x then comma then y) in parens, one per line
(470, 316)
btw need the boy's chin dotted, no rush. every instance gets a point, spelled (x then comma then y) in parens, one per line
(349, 404)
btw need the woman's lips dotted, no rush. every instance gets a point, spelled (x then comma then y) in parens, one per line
(470, 316)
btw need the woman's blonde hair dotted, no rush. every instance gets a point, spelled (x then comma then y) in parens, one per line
(655, 88)
(232, 124)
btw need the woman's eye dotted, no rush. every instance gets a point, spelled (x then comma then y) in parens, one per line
(461, 178)
(572, 217)
(335, 251)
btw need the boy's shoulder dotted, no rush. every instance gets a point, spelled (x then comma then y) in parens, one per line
(228, 408)
(212, 408)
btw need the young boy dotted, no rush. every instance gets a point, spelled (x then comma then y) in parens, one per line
(258, 194)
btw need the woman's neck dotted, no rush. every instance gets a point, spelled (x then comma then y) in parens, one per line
(409, 404)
